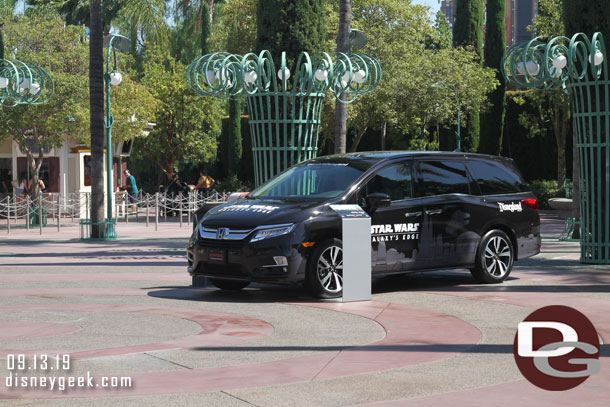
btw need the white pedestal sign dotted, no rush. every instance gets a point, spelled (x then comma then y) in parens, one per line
(356, 237)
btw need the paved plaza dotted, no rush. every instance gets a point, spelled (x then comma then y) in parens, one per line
(125, 309)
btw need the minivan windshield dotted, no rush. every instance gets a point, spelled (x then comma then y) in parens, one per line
(312, 180)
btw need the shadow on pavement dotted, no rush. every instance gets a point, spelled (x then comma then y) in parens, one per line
(435, 348)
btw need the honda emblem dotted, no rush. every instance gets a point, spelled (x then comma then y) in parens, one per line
(222, 233)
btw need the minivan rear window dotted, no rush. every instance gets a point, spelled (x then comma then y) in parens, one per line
(495, 178)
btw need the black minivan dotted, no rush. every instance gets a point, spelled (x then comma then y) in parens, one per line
(429, 211)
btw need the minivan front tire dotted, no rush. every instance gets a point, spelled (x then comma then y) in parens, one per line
(495, 257)
(325, 269)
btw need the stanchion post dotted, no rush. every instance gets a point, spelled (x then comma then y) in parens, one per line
(156, 210)
(8, 218)
(58, 210)
(147, 206)
(27, 213)
(180, 207)
(40, 212)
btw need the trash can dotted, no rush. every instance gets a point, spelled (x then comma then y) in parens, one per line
(35, 216)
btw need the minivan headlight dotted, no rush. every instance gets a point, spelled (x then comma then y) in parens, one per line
(272, 231)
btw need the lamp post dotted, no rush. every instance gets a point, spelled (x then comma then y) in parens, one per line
(114, 78)
(458, 137)
(578, 65)
(284, 105)
(24, 83)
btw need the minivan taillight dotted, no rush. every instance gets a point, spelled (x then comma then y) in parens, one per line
(531, 203)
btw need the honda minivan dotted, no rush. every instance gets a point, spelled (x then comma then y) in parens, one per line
(429, 211)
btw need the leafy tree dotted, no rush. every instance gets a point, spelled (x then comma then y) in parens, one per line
(236, 28)
(468, 31)
(187, 125)
(421, 88)
(492, 122)
(183, 45)
(443, 29)
(76, 12)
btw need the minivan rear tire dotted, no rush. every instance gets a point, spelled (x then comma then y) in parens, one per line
(494, 259)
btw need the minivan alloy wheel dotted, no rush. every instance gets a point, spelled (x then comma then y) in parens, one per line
(330, 269)
(498, 256)
(495, 257)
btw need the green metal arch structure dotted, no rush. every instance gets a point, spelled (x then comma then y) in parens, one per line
(579, 65)
(24, 83)
(284, 106)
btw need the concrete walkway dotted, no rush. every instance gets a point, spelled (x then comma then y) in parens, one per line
(124, 309)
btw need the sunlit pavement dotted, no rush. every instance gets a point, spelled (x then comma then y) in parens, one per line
(125, 309)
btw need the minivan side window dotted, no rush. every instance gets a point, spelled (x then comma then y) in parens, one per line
(442, 177)
(394, 180)
(493, 178)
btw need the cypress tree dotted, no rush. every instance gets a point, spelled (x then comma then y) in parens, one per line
(291, 26)
(468, 30)
(206, 28)
(587, 16)
(492, 122)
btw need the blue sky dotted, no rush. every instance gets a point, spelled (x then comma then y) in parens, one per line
(433, 4)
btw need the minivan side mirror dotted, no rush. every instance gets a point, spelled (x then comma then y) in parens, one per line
(377, 200)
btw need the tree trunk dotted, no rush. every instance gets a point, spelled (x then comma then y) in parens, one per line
(34, 164)
(96, 102)
(384, 126)
(354, 146)
(345, 16)
(211, 11)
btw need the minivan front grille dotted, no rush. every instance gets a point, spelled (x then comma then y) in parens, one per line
(223, 233)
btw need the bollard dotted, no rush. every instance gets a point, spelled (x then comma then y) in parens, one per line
(58, 210)
(156, 210)
(180, 209)
(8, 218)
(27, 212)
(40, 213)
(147, 205)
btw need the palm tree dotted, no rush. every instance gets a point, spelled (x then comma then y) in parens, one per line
(96, 101)
(345, 16)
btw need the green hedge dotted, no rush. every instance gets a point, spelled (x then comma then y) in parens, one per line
(546, 190)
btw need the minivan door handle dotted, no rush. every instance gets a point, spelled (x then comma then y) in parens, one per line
(412, 214)
(433, 211)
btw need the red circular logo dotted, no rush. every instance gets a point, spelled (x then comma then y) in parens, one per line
(556, 348)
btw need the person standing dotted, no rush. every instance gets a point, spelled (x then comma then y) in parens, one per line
(204, 185)
(132, 189)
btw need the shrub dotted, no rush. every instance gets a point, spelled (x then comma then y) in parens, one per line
(545, 190)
